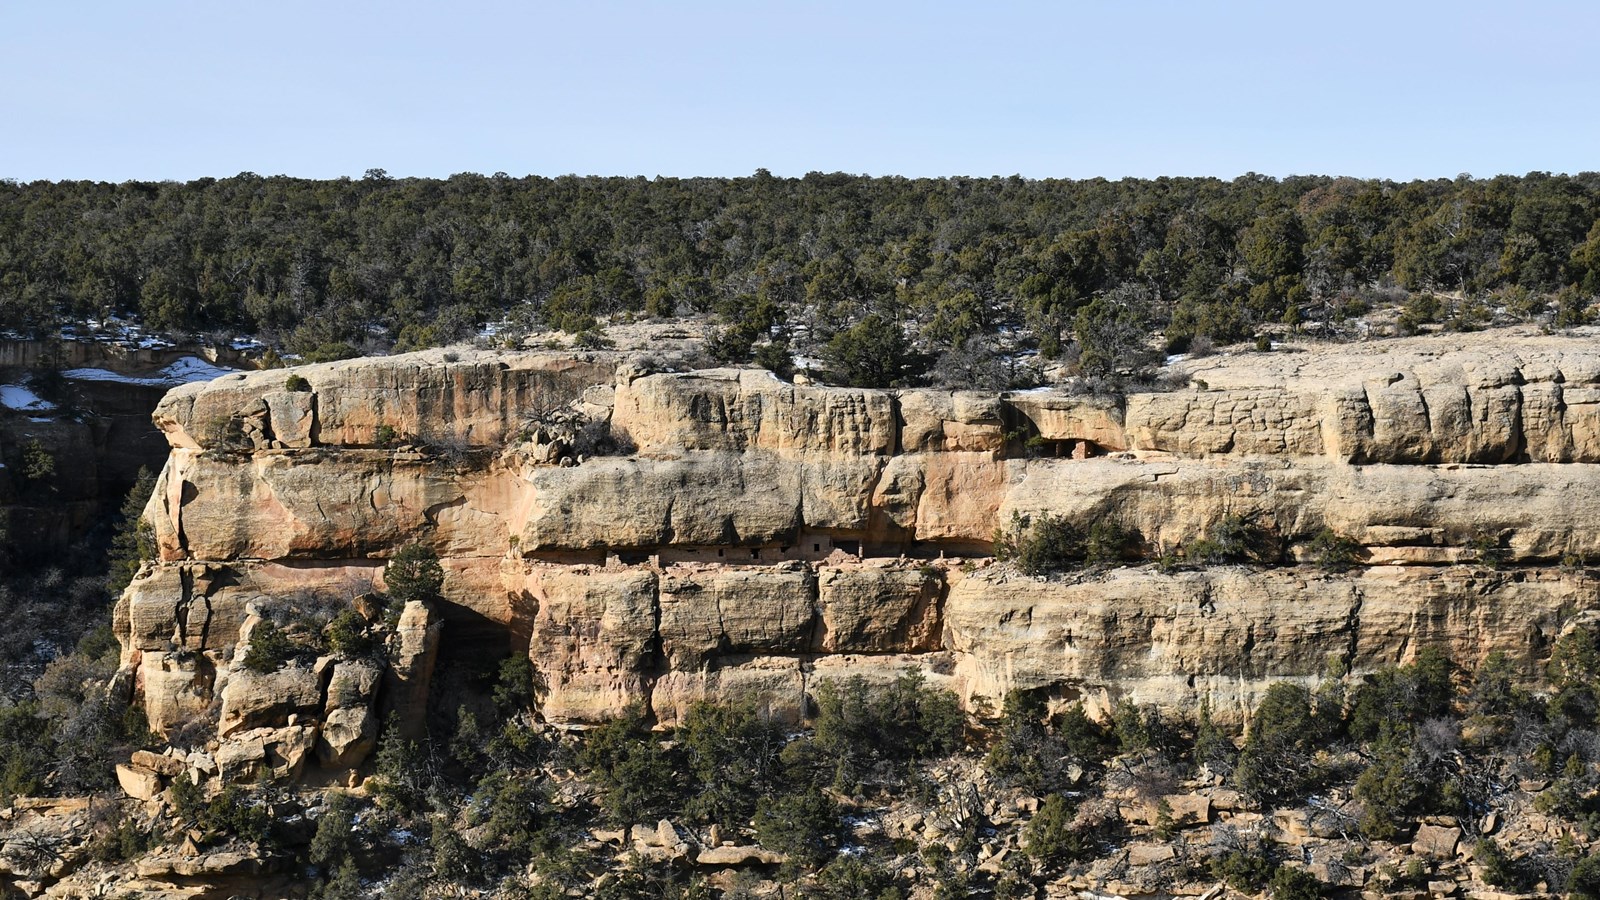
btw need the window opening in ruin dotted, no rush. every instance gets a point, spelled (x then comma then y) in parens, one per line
(1067, 448)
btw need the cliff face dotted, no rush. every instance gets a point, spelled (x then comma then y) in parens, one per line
(94, 425)
(710, 532)
(97, 444)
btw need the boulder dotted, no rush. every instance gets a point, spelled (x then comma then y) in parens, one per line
(349, 720)
(169, 766)
(1438, 841)
(267, 699)
(739, 856)
(278, 753)
(217, 862)
(138, 782)
(177, 688)
(1150, 854)
(241, 759)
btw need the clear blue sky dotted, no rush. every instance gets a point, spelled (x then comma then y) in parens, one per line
(161, 89)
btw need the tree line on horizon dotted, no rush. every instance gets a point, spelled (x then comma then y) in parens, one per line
(325, 268)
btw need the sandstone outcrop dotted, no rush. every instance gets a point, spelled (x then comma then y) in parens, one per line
(255, 699)
(413, 651)
(677, 535)
(350, 724)
(437, 396)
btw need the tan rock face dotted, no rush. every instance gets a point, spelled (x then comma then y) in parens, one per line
(1537, 510)
(951, 422)
(645, 503)
(749, 410)
(176, 688)
(472, 397)
(734, 611)
(1225, 634)
(350, 721)
(259, 700)
(138, 783)
(592, 639)
(1495, 398)
(881, 609)
(413, 652)
(751, 542)
(1061, 417)
(777, 685)
(295, 506)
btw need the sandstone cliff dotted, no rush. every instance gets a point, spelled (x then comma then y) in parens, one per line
(657, 535)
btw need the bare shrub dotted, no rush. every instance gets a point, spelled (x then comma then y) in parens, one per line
(307, 608)
(567, 431)
(1437, 739)
(35, 851)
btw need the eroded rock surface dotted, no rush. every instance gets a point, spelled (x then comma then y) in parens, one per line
(721, 532)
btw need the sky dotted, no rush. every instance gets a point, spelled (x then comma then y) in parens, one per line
(160, 89)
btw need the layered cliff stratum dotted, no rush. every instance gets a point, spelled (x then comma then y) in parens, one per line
(652, 534)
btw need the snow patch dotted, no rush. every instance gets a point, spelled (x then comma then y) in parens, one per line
(192, 368)
(19, 398)
(185, 370)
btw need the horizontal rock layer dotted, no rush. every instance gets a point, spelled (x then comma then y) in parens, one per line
(717, 549)
(435, 396)
(1513, 396)
(361, 504)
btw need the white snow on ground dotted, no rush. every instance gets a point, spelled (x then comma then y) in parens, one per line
(192, 368)
(185, 370)
(106, 375)
(17, 397)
